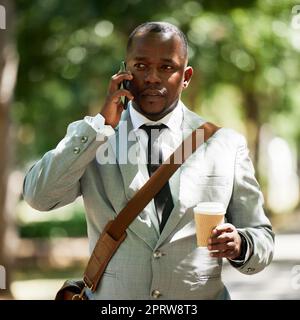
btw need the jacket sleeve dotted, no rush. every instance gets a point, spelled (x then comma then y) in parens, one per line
(246, 213)
(54, 181)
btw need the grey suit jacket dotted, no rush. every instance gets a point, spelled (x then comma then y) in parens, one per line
(149, 265)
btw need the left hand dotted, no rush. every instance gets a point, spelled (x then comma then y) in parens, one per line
(226, 240)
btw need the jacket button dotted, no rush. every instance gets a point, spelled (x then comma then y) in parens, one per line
(157, 254)
(84, 139)
(250, 270)
(76, 150)
(155, 294)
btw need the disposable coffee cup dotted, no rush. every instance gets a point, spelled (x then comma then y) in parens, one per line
(207, 215)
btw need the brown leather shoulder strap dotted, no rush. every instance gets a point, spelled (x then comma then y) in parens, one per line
(115, 231)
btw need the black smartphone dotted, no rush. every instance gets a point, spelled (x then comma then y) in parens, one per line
(124, 85)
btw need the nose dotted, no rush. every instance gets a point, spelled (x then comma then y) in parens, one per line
(152, 76)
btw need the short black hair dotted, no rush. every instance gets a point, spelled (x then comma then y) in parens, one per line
(157, 27)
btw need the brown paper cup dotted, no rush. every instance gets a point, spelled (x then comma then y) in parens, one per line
(207, 216)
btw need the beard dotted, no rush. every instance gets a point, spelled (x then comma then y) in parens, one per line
(154, 110)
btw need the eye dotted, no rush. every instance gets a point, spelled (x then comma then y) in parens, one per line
(167, 67)
(140, 66)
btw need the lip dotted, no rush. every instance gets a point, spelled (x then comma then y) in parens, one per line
(152, 93)
(152, 99)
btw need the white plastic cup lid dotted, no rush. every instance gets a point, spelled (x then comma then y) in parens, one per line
(210, 208)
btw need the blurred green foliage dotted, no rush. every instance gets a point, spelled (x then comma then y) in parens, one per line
(67, 221)
(245, 55)
(73, 227)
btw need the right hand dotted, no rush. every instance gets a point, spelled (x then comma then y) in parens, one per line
(113, 107)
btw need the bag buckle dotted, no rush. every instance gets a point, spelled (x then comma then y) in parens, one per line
(79, 296)
(82, 295)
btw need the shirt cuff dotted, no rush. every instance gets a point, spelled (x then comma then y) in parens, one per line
(98, 124)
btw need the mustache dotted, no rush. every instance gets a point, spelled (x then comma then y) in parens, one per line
(153, 91)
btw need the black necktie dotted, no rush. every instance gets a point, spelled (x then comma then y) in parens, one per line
(163, 200)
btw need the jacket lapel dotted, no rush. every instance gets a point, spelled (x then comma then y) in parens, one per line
(125, 148)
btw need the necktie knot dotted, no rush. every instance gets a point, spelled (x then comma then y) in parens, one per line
(153, 150)
(152, 129)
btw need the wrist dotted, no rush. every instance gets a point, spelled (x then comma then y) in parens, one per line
(243, 248)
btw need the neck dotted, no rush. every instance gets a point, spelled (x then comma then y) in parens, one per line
(157, 116)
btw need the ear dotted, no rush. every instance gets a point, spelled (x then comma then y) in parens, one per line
(188, 72)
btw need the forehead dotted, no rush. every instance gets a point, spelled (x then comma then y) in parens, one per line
(157, 46)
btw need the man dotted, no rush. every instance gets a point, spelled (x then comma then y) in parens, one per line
(159, 258)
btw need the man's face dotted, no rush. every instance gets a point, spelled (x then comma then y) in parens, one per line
(157, 62)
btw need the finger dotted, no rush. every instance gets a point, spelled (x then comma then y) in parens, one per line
(218, 230)
(217, 247)
(222, 246)
(117, 79)
(123, 72)
(221, 228)
(229, 254)
(222, 238)
(215, 232)
(115, 97)
(225, 227)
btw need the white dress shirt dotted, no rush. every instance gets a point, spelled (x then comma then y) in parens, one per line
(170, 137)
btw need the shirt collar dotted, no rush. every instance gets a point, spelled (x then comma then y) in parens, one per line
(172, 120)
